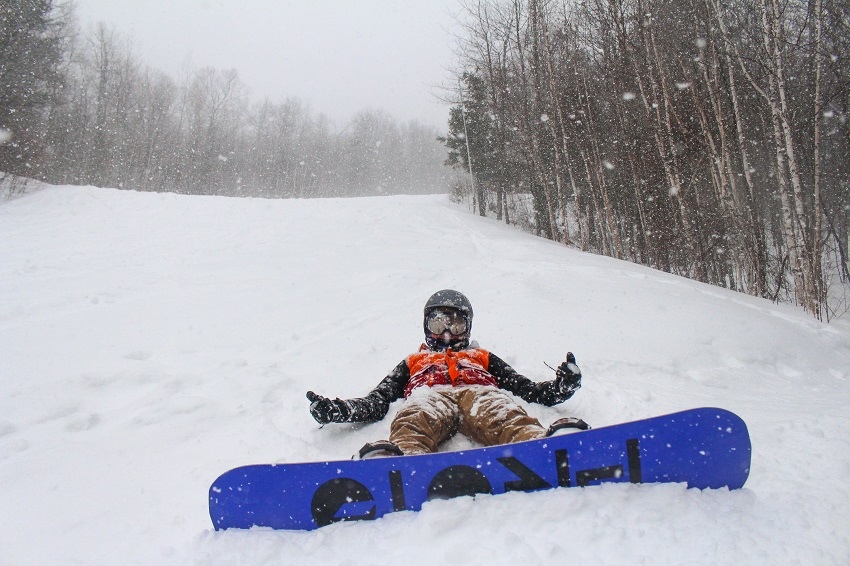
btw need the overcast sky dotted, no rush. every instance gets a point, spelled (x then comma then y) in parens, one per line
(339, 56)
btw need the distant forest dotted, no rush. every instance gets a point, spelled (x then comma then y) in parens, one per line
(82, 108)
(708, 138)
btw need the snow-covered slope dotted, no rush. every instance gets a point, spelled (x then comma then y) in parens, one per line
(149, 342)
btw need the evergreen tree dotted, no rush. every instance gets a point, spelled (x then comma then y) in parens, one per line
(472, 122)
(31, 50)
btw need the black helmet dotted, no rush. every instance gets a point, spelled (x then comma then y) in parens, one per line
(453, 300)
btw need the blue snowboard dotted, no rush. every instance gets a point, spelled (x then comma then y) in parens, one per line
(704, 448)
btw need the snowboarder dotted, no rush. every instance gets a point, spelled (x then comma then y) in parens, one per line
(451, 385)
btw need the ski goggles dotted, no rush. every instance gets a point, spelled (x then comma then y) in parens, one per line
(442, 320)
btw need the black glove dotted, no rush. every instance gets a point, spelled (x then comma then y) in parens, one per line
(568, 376)
(326, 411)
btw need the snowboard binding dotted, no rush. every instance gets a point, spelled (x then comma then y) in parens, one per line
(565, 424)
(379, 449)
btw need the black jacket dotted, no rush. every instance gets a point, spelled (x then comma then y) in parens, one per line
(375, 405)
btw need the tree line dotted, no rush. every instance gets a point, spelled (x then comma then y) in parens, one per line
(82, 108)
(707, 138)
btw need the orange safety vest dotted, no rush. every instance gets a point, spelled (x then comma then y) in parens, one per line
(466, 367)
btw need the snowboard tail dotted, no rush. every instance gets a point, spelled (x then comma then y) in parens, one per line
(704, 448)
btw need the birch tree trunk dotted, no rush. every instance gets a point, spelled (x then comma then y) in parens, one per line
(661, 105)
(758, 247)
(817, 212)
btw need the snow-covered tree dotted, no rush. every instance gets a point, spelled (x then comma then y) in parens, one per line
(32, 33)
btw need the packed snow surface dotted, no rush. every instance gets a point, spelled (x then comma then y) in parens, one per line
(150, 342)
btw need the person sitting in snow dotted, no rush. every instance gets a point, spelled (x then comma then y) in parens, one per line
(451, 385)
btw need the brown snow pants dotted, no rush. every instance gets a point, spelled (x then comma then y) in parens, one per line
(483, 413)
